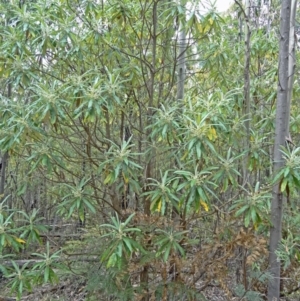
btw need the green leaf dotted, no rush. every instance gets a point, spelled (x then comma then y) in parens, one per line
(242, 210)
(22, 189)
(89, 205)
(167, 252)
(46, 274)
(129, 219)
(253, 214)
(283, 185)
(180, 249)
(247, 218)
(112, 260)
(120, 249)
(127, 242)
(286, 171)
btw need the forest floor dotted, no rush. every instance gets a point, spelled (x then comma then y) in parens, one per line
(76, 291)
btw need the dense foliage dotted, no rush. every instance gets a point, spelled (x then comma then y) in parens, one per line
(111, 178)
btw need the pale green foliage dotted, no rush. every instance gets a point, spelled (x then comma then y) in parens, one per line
(33, 227)
(289, 177)
(20, 280)
(122, 242)
(168, 242)
(92, 121)
(289, 249)
(254, 207)
(16, 235)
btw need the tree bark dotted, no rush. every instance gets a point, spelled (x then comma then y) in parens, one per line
(181, 61)
(246, 105)
(292, 63)
(282, 114)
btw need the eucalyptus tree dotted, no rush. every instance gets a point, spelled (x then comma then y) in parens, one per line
(281, 137)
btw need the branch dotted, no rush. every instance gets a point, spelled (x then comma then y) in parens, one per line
(244, 13)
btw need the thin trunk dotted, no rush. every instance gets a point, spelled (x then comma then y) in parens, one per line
(181, 75)
(269, 18)
(246, 116)
(292, 63)
(4, 162)
(246, 105)
(144, 276)
(151, 162)
(115, 201)
(181, 60)
(282, 114)
(4, 159)
(240, 28)
(267, 15)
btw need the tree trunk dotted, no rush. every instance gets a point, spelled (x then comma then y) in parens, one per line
(268, 26)
(246, 104)
(181, 61)
(150, 165)
(4, 160)
(282, 114)
(292, 63)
